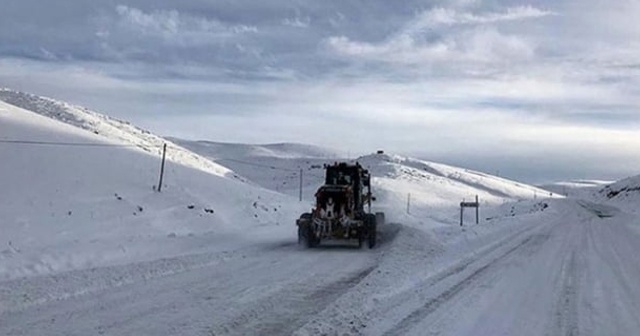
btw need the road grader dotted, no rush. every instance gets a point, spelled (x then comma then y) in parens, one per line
(339, 212)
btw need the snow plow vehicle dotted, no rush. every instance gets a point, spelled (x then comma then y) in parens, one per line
(339, 212)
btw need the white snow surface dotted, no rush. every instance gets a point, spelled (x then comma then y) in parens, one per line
(624, 194)
(66, 207)
(575, 188)
(88, 247)
(116, 130)
(411, 191)
(228, 151)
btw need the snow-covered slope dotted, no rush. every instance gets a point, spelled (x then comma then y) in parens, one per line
(281, 150)
(624, 194)
(432, 190)
(276, 166)
(215, 255)
(69, 206)
(575, 188)
(103, 126)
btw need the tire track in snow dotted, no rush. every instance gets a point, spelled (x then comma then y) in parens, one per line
(612, 246)
(433, 304)
(24, 293)
(566, 316)
(285, 311)
(288, 310)
(460, 267)
(445, 273)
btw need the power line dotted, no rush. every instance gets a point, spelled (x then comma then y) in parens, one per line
(88, 144)
(56, 143)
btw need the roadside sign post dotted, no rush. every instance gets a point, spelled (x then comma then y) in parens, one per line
(475, 204)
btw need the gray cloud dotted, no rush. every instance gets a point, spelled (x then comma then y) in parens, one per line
(454, 80)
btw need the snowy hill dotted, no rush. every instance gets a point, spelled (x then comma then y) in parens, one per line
(273, 166)
(624, 194)
(436, 189)
(103, 126)
(575, 188)
(280, 151)
(75, 199)
(87, 246)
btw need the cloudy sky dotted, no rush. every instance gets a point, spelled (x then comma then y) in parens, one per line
(537, 91)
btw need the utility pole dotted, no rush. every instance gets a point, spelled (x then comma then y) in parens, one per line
(477, 209)
(300, 184)
(408, 203)
(164, 154)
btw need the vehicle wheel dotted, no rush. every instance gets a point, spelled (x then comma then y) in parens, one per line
(372, 231)
(310, 237)
(303, 227)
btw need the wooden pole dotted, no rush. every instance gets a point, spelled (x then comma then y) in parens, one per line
(408, 203)
(477, 209)
(164, 154)
(300, 184)
(461, 213)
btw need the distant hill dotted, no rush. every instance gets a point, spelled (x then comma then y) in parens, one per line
(575, 188)
(436, 189)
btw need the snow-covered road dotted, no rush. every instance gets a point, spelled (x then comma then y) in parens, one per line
(574, 273)
(267, 289)
(571, 270)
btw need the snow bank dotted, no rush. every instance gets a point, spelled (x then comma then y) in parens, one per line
(624, 194)
(66, 207)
